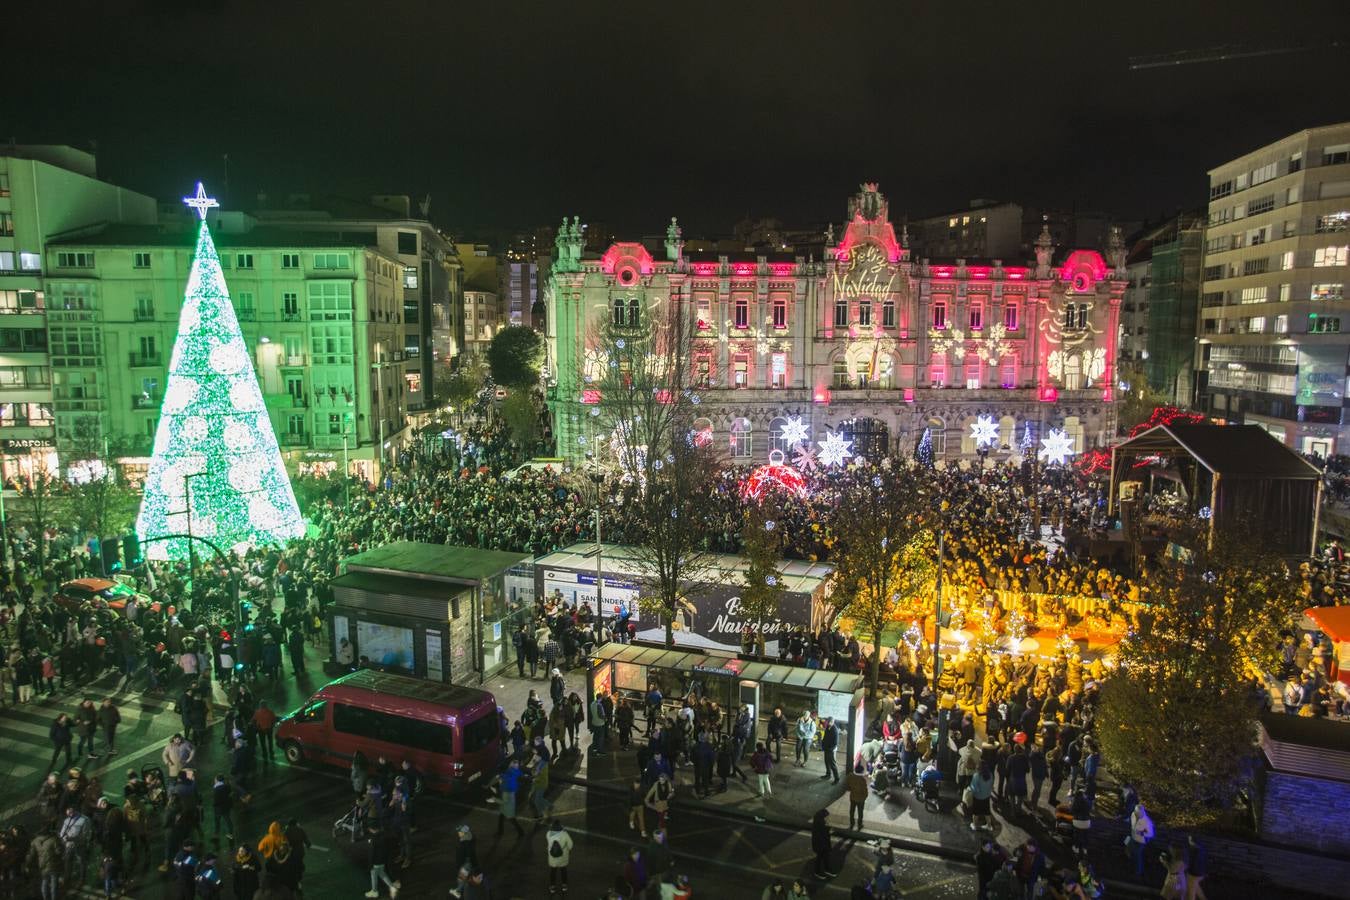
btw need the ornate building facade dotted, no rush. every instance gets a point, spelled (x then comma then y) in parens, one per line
(856, 339)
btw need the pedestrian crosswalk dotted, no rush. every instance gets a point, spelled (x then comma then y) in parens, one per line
(25, 746)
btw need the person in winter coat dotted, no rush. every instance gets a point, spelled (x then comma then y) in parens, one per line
(806, 733)
(1141, 832)
(466, 850)
(856, 785)
(761, 762)
(559, 844)
(658, 856)
(379, 858)
(820, 843)
(557, 727)
(829, 741)
(778, 732)
(60, 736)
(45, 857)
(49, 798)
(989, 859)
(635, 873)
(178, 755)
(109, 717)
(86, 723)
(245, 873)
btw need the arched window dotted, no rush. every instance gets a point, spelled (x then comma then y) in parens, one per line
(634, 312)
(776, 441)
(1007, 432)
(618, 311)
(740, 438)
(937, 429)
(1073, 372)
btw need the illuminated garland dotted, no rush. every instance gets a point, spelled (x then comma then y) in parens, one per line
(214, 441)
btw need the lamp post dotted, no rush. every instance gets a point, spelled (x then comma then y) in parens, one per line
(378, 367)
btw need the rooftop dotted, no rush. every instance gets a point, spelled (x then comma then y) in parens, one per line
(465, 565)
(184, 235)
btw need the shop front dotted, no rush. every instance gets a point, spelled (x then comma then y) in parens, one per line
(630, 670)
(22, 458)
(710, 617)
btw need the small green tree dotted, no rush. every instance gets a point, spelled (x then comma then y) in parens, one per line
(100, 503)
(516, 356)
(761, 546)
(520, 412)
(37, 507)
(1176, 719)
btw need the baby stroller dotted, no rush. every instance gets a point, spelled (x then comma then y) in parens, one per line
(352, 824)
(929, 787)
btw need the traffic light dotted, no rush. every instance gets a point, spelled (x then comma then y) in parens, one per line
(111, 553)
(131, 550)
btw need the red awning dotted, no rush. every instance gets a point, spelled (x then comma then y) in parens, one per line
(1334, 620)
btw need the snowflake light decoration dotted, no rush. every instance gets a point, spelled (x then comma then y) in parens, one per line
(793, 431)
(804, 458)
(984, 431)
(995, 345)
(945, 339)
(1056, 447)
(834, 449)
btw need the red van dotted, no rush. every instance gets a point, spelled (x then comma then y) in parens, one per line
(449, 732)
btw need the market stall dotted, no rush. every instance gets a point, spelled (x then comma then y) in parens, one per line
(1334, 622)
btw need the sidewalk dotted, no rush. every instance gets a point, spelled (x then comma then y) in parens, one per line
(797, 792)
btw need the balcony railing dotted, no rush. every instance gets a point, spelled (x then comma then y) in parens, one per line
(142, 360)
(145, 401)
(291, 439)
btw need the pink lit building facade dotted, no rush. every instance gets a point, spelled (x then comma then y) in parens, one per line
(857, 337)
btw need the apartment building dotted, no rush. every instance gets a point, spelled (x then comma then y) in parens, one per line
(322, 313)
(1274, 327)
(44, 190)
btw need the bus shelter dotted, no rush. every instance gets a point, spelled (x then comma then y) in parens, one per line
(628, 671)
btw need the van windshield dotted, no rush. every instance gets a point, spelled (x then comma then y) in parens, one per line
(480, 732)
(311, 713)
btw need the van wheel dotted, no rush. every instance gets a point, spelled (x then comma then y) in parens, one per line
(295, 754)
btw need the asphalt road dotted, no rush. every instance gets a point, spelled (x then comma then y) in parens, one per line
(723, 858)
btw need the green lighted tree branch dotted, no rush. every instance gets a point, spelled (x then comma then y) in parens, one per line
(214, 443)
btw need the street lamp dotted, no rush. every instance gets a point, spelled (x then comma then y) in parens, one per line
(378, 368)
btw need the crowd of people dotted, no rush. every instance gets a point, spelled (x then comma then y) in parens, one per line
(1019, 724)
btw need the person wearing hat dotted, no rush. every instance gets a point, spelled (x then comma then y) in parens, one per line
(466, 850)
(185, 870)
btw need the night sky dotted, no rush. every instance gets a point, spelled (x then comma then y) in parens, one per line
(511, 114)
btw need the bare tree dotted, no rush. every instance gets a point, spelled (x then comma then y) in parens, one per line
(885, 552)
(644, 413)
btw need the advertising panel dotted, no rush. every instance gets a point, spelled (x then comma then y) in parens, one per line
(1321, 375)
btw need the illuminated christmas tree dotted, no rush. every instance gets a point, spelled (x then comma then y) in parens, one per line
(924, 452)
(216, 472)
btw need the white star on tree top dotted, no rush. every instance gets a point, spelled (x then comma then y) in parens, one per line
(793, 431)
(1056, 447)
(984, 431)
(201, 203)
(834, 449)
